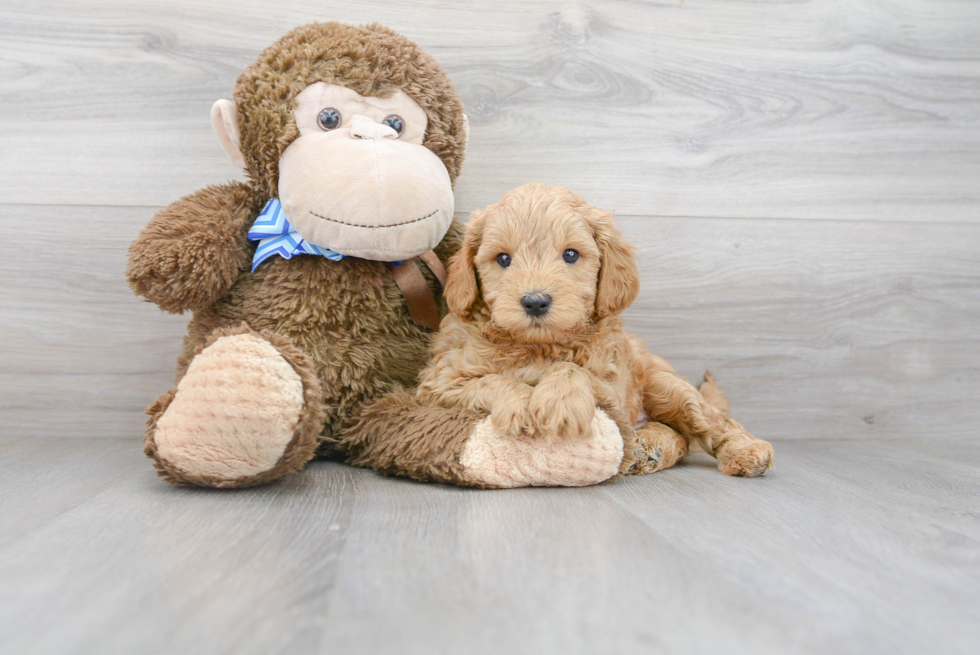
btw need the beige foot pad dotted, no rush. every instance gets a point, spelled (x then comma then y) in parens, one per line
(495, 460)
(234, 414)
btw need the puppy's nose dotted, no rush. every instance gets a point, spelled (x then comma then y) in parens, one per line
(536, 304)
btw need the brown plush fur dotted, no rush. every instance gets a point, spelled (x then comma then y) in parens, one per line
(344, 325)
(426, 443)
(545, 375)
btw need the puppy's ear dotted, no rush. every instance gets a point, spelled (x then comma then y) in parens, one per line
(461, 287)
(619, 281)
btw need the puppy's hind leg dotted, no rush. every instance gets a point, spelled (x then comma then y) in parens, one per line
(745, 454)
(670, 399)
(715, 396)
(655, 447)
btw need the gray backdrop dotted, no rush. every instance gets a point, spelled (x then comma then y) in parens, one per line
(803, 180)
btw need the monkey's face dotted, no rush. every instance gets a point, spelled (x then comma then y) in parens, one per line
(357, 131)
(359, 181)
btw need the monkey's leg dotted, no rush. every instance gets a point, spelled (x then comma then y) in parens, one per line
(397, 435)
(247, 411)
(671, 400)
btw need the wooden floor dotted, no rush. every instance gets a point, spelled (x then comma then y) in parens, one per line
(847, 547)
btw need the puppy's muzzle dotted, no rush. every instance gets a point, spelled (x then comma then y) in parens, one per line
(536, 304)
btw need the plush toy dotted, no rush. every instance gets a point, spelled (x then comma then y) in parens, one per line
(314, 285)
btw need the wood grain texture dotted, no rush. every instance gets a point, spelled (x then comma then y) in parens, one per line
(847, 547)
(867, 109)
(819, 329)
(801, 179)
(815, 329)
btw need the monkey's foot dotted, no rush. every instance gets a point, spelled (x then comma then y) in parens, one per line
(492, 459)
(656, 447)
(242, 415)
(742, 454)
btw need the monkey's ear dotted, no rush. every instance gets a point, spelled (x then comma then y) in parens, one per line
(224, 122)
(461, 286)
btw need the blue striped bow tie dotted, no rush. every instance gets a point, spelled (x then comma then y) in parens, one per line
(277, 237)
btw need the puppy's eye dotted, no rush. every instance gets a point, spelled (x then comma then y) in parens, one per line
(395, 122)
(503, 260)
(570, 256)
(328, 119)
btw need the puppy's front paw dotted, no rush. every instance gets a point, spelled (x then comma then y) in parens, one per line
(512, 416)
(746, 457)
(563, 405)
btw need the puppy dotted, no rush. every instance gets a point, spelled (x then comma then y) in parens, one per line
(535, 339)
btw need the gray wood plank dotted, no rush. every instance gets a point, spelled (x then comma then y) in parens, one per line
(846, 547)
(711, 108)
(847, 540)
(82, 356)
(153, 565)
(816, 329)
(42, 479)
(824, 329)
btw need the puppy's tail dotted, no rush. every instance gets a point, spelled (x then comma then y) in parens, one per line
(716, 398)
(714, 395)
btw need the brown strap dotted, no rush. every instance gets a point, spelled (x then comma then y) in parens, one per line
(435, 265)
(418, 296)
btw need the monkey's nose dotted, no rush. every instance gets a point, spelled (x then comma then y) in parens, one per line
(536, 304)
(362, 127)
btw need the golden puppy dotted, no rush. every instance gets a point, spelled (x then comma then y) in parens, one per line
(535, 339)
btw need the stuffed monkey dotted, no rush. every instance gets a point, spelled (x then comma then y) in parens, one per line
(313, 286)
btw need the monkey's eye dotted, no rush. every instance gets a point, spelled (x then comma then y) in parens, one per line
(395, 122)
(503, 260)
(328, 119)
(570, 256)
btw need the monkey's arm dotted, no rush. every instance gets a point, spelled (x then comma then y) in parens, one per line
(193, 250)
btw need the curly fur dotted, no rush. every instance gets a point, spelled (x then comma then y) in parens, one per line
(545, 375)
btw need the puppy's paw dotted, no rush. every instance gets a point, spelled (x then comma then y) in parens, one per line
(512, 416)
(563, 404)
(746, 457)
(655, 447)
(567, 421)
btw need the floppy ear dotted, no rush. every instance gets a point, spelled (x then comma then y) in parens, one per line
(461, 287)
(619, 281)
(224, 122)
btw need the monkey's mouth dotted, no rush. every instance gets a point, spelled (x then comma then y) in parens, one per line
(414, 220)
